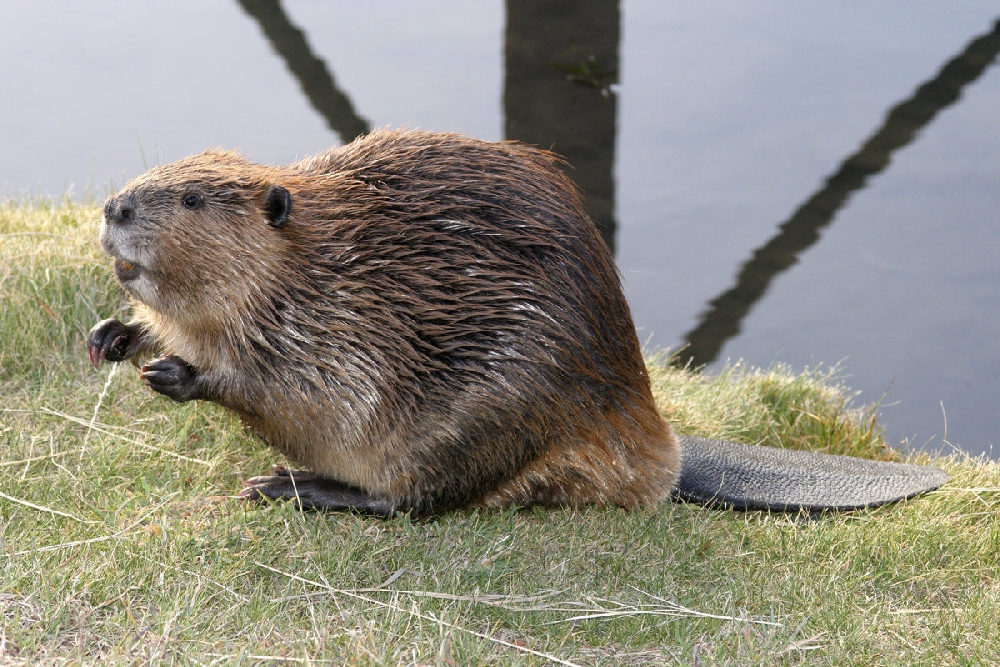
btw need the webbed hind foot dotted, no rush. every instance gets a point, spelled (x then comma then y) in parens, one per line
(310, 491)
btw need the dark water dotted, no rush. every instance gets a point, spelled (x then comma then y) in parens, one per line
(814, 184)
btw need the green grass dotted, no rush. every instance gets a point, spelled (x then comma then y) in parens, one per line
(119, 543)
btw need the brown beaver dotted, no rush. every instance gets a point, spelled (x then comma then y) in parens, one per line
(426, 321)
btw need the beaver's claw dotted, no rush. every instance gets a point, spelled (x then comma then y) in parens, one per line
(109, 340)
(173, 377)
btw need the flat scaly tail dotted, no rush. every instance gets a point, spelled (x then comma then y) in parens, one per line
(714, 472)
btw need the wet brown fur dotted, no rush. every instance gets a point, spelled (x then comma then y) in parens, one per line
(437, 322)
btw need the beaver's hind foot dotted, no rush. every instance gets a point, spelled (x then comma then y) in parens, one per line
(313, 492)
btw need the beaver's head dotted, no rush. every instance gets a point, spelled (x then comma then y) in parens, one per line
(197, 235)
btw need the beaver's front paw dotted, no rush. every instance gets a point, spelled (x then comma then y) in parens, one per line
(173, 377)
(109, 340)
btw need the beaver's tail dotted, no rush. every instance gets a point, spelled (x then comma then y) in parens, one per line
(741, 476)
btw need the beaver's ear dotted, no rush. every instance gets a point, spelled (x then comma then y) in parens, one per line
(277, 205)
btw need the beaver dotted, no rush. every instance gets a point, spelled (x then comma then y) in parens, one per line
(427, 322)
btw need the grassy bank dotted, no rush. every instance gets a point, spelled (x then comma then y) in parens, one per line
(118, 540)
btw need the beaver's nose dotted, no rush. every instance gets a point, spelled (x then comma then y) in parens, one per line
(120, 210)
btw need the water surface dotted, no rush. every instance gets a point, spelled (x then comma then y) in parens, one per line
(698, 131)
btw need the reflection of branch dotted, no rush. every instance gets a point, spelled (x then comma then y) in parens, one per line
(311, 71)
(722, 321)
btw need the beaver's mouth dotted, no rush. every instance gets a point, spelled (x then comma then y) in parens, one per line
(126, 271)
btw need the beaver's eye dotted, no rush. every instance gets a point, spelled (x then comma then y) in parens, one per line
(191, 201)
